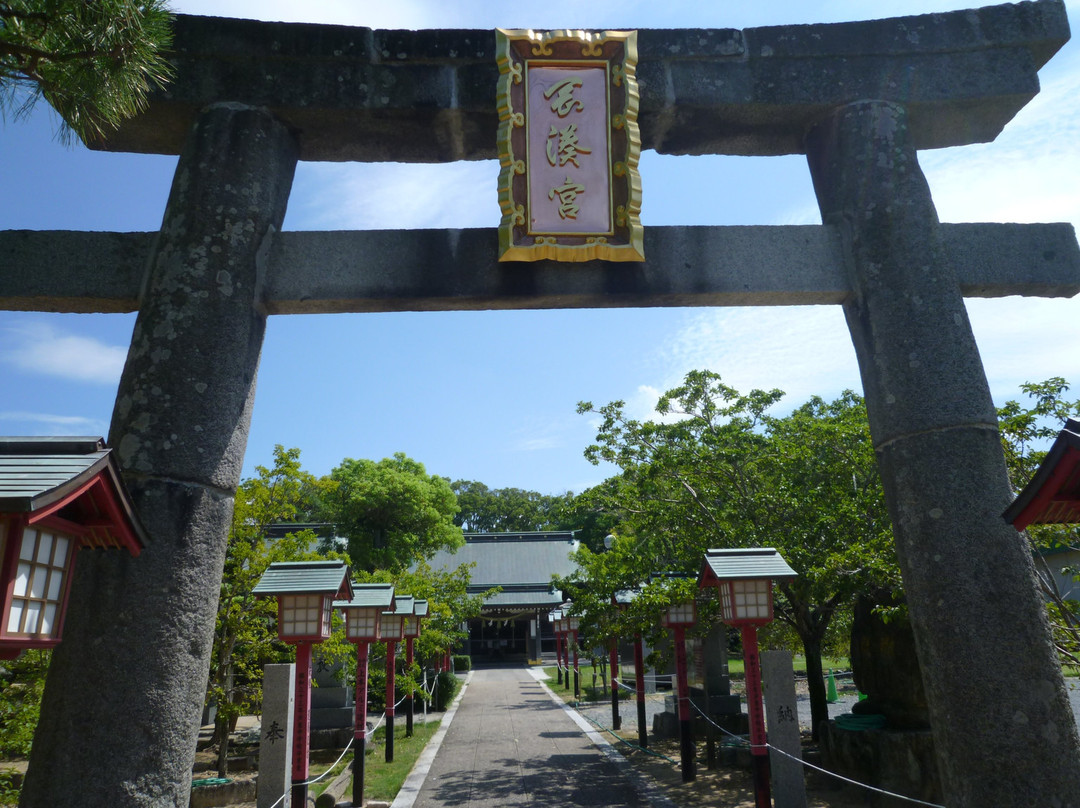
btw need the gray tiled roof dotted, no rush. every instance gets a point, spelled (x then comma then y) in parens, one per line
(380, 596)
(504, 559)
(36, 472)
(303, 577)
(403, 604)
(753, 562)
(541, 599)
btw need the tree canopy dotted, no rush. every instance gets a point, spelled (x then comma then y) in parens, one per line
(94, 62)
(718, 470)
(392, 512)
(509, 510)
(245, 636)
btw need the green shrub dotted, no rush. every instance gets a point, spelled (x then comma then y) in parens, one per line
(446, 687)
(461, 662)
(21, 689)
(10, 787)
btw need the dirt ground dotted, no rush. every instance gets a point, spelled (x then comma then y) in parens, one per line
(730, 786)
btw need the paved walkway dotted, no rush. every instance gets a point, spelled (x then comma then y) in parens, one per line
(509, 742)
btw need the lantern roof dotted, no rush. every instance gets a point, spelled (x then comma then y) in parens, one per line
(73, 478)
(403, 605)
(306, 578)
(745, 563)
(420, 608)
(378, 596)
(1052, 496)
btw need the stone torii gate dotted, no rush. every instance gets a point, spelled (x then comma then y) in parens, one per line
(120, 715)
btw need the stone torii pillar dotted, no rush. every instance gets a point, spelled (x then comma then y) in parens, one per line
(180, 426)
(979, 624)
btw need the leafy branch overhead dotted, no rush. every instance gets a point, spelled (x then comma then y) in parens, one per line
(95, 62)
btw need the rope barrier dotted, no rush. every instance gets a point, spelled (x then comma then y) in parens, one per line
(623, 740)
(853, 782)
(817, 768)
(316, 779)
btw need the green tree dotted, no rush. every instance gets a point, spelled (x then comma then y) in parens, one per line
(509, 510)
(245, 635)
(392, 512)
(94, 61)
(719, 471)
(1027, 431)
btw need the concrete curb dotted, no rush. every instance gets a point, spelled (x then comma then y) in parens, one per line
(406, 795)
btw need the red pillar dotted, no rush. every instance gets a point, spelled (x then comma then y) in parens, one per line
(409, 698)
(391, 652)
(577, 679)
(686, 732)
(301, 725)
(616, 719)
(759, 751)
(360, 725)
(639, 688)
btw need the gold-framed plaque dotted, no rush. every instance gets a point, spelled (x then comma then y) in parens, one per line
(569, 145)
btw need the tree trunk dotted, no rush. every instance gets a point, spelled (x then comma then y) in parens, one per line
(221, 730)
(819, 706)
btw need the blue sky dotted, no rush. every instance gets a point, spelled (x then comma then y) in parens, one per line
(491, 396)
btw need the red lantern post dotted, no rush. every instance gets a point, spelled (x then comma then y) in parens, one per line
(412, 632)
(744, 581)
(392, 631)
(556, 629)
(305, 591)
(572, 626)
(678, 618)
(362, 618)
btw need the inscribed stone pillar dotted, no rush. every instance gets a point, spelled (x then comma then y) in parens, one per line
(1002, 727)
(782, 725)
(276, 735)
(121, 710)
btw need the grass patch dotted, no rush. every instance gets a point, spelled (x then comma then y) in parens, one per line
(382, 780)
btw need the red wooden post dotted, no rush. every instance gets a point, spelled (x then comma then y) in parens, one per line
(616, 719)
(409, 698)
(391, 651)
(759, 749)
(360, 726)
(577, 680)
(639, 687)
(301, 725)
(686, 732)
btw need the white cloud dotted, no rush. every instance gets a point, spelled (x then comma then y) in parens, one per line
(1015, 352)
(42, 349)
(804, 350)
(375, 196)
(1030, 173)
(50, 424)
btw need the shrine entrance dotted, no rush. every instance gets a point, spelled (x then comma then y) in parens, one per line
(251, 99)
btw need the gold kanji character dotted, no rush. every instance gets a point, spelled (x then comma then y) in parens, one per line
(567, 194)
(564, 102)
(563, 146)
